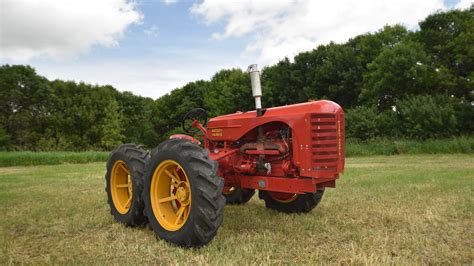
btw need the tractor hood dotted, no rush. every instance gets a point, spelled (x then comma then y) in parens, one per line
(232, 127)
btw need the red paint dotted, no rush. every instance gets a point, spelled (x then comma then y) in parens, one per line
(182, 136)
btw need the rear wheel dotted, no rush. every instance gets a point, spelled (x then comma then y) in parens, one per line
(237, 195)
(124, 183)
(183, 194)
(291, 203)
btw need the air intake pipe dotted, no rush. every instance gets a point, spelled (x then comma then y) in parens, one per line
(256, 87)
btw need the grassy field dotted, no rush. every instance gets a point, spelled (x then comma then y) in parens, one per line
(48, 158)
(386, 209)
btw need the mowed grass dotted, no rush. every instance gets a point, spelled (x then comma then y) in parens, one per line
(386, 209)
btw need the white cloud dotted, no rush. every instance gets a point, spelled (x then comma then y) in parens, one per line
(284, 28)
(169, 2)
(61, 28)
(146, 77)
(152, 31)
(464, 4)
(149, 80)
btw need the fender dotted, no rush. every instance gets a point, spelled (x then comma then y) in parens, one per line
(186, 137)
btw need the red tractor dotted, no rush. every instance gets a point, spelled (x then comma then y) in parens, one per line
(289, 153)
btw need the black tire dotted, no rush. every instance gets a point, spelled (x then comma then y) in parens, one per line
(239, 195)
(135, 157)
(207, 202)
(301, 204)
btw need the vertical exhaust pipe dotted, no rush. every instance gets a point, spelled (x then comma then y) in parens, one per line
(256, 87)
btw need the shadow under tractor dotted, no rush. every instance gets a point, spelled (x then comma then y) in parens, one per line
(290, 154)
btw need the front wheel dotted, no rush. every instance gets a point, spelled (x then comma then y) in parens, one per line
(183, 194)
(291, 203)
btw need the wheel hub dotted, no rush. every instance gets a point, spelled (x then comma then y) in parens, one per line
(181, 194)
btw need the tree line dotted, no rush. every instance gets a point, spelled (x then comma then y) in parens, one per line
(393, 83)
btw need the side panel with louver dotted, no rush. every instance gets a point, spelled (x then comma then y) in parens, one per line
(326, 143)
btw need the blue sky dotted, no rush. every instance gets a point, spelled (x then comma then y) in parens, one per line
(151, 47)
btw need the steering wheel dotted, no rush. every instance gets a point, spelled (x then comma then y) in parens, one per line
(198, 114)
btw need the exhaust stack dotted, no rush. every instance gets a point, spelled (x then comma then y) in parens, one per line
(256, 87)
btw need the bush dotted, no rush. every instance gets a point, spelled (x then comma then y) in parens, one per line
(419, 117)
(361, 123)
(465, 116)
(426, 116)
(4, 139)
(365, 123)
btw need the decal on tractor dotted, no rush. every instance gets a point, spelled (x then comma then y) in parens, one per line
(216, 132)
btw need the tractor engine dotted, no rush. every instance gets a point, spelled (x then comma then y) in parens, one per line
(269, 154)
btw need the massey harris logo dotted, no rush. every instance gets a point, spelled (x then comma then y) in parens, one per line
(216, 132)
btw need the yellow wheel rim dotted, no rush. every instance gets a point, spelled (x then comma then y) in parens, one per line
(170, 194)
(283, 197)
(290, 199)
(121, 187)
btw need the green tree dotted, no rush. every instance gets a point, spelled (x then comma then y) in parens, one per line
(229, 91)
(112, 127)
(448, 38)
(24, 104)
(368, 46)
(331, 72)
(170, 109)
(282, 84)
(138, 116)
(397, 72)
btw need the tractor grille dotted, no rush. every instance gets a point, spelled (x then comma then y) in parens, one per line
(324, 142)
